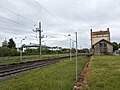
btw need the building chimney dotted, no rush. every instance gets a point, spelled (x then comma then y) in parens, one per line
(91, 30)
(107, 29)
(91, 37)
(108, 33)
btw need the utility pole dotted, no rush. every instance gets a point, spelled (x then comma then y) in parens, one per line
(70, 48)
(21, 49)
(39, 30)
(76, 58)
(40, 37)
(73, 47)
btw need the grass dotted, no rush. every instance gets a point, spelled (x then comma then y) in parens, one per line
(60, 76)
(104, 73)
(15, 59)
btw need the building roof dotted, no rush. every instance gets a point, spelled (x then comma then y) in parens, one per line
(101, 41)
(100, 32)
(33, 45)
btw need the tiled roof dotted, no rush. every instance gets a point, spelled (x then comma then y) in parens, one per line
(100, 33)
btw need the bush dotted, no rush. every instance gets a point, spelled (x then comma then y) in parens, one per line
(13, 52)
(4, 51)
(31, 52)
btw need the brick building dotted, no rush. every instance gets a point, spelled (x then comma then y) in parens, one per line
(100, 42)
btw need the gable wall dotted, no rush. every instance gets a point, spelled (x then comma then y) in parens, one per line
(97, 48)
(97, 38)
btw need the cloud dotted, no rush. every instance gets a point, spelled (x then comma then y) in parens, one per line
(63, 17)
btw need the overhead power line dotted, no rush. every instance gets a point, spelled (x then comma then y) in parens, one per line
(15, 22)
(43, 7)
(17, 14)
(49, 12)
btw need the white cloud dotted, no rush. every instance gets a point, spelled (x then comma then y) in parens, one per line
(68, 16)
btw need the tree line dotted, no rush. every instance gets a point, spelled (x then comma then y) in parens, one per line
(116, 46)
(8, 48)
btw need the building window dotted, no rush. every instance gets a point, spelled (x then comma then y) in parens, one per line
(102, 45)
(105, 45)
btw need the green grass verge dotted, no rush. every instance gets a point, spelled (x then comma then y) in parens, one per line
(60, 76)
(104, 73)
(15, 59)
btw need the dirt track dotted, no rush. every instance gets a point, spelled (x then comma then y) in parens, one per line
(81, 80)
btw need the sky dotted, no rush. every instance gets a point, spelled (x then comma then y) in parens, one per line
(59, 18)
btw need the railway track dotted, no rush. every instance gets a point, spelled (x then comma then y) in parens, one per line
(9, 70)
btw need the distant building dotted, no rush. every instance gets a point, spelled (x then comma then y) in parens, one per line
(36, 46)
(55, 48)
(100, 42)
(31, 46)
(117, 52)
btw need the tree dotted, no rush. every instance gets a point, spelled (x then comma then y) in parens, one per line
(8, 48)
(119, 45)
(11, 43)
(4, 51)
(13, 52)
(115, 46)
(31, 52)
(4, 43)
